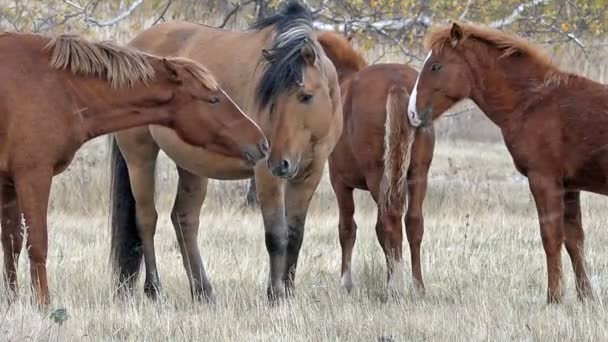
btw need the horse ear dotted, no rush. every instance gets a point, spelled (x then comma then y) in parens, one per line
(456, 34)
(267, 55)
(171, 71)
(350, 36)
(308, 54)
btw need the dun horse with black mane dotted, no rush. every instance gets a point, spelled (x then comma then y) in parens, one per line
(381, 152)
(280, 75)
(59, 93)
(553, 123)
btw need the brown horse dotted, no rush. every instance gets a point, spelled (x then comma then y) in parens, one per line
(373, 154)
(59, 93)
(554, 125)
(280, 75)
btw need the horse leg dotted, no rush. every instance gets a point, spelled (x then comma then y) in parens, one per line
(141, 156)
(32, 188)
(417, 180)
(414, 221)
(548, 195)
(142, 184)
(191, 192)
(298, 194)
(271, 195)
(575, 241)
(347, 228)
(12, 235)
(389, 231)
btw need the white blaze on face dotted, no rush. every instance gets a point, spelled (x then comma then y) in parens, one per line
(412, 113)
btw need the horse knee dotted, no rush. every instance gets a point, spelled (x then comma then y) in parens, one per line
(552, 241)
(389, 231)
(146, 222)
(296, 228)
(414, 227)
(37, 255)
(185, 225)
(276, 243)
(347, 230)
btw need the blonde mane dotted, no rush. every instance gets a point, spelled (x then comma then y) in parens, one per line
(438, 38)
(121, 66)
(341, 48)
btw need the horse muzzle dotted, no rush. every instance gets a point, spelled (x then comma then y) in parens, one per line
(283, 168)
(255, 153)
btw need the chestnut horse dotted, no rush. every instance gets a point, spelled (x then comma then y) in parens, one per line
(373, 154)
(59, 93)
(553, 123)
(280, 75)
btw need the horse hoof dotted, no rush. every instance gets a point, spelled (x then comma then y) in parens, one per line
(555, 298)
(347, 282)
(276, 296)
(206, 297)
(152, 291)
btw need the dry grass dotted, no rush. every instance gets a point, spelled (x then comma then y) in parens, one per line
(482, 259)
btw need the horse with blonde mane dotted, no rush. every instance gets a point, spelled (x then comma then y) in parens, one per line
(280, 75)
(59, 93)
(380, 152)
(553, 123)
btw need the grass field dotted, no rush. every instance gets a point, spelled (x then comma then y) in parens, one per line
(483, 264)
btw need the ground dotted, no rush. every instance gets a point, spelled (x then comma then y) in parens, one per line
(483, 265)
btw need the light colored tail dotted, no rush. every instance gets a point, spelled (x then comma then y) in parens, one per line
(398, 140)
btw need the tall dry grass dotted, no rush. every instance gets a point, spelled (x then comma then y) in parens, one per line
(482, 258)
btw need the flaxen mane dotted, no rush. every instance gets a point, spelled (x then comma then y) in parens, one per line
(283, 71)
(337, 45)
(122, 66)
(439, 37)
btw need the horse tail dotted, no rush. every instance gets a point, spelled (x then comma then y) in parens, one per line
(126, 246)
(398, 140)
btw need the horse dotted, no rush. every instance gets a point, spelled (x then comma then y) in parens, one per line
(60, 92)
(280, 75)
(380, 152)
(553, 124)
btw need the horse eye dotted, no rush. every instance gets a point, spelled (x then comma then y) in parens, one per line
(213, 100)
(435, 67)
(304, 97)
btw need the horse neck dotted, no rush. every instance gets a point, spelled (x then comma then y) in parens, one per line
(345, 74)
(504, 87)
(106, 110)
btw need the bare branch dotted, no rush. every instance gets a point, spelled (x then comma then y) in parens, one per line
(161, 17)
(511, 18)
(118, 18)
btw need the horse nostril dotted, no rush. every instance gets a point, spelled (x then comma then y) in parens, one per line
(264, 148)
(285, 165)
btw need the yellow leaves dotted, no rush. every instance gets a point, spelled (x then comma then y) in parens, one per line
(565, 27)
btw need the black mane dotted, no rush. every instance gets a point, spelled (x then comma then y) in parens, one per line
(284, 61)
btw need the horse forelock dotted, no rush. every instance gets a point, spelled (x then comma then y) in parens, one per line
(198, 71)
(283, 62)
(121, 66)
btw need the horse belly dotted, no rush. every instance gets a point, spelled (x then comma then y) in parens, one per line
(591, 177)
(198, 160)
